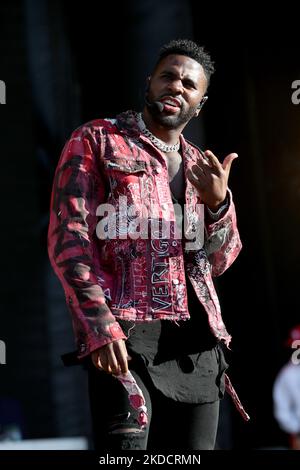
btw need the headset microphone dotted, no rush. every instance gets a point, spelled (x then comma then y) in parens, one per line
(156, 104)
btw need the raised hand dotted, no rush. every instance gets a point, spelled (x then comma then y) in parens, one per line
(210, 178)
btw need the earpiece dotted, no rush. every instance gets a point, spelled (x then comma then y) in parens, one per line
(204, 99)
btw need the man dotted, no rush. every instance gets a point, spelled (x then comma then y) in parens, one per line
(148, 302)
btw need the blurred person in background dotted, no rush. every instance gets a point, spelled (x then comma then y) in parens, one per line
(286, 392)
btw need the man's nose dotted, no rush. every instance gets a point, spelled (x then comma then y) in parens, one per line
(176, 87)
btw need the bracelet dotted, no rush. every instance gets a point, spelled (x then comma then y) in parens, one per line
(216, 215)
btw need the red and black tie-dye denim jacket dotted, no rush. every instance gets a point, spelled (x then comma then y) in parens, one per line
(120, 277)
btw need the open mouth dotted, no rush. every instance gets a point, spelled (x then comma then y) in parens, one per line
(170, 101)
(171, 104)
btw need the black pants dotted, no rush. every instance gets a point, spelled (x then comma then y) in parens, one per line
(171, 425)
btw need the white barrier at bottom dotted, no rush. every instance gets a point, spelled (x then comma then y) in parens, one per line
(64, 443)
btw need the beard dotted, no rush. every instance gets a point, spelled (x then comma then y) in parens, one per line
(171, 121)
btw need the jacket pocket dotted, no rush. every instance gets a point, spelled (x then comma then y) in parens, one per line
(126, 166)
(125, 177)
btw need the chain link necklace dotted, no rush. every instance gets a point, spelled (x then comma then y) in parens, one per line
(157, 142)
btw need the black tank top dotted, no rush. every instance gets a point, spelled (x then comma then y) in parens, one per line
(184, 360)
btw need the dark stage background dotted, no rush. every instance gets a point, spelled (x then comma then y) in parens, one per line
(66, 63)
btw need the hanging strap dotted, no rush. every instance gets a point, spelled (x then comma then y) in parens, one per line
(230, 389)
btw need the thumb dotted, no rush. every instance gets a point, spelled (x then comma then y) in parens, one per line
(228, 161)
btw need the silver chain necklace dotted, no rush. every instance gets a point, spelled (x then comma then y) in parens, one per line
(157, 142)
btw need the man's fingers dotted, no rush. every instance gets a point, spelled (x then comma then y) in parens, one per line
(203, 162)
(212, 160)
(103, 362)
(228, 161)
(198, 171)
(121, 355)
(95, 358)
(196, 181)
(104, 365)
(191, 177)
(100, 362)
(194, 173)
(112, 360)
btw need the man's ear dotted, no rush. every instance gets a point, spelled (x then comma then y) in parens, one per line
(199, 107)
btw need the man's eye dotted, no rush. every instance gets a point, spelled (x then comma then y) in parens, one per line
(189, 85)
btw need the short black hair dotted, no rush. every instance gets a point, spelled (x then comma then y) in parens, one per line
(190, 49)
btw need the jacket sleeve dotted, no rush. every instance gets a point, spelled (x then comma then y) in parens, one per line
(222, 241)
(77, 191)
